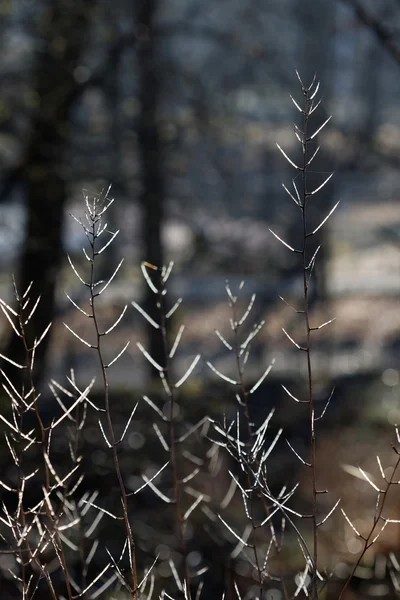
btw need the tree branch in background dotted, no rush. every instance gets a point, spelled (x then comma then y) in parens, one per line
(380, 31)
(150, 150)
(40, 170)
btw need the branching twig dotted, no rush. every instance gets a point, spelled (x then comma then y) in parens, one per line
(157, 284)
(95, 210)
(301, 199)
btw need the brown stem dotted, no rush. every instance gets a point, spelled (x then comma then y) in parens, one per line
(43, 443)
(245, 397)
(172, 438)
(367, 540)
(110, 426)
(306, 281)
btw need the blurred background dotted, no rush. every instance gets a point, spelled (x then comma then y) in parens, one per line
(179, 105)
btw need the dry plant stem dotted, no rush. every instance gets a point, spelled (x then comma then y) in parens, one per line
(245, 397)
(19, 492)
(43, 443)
(172, 437)
(245, 394)
(306, 280)
(369, 540)
(74, 450)
(249, 424)
(163, 366)
(112, 439)
(301, 198)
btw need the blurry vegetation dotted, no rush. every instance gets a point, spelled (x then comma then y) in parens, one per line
(179, 104)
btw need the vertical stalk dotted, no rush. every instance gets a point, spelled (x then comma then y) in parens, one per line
(306, 281)
(29, 359)
(157, 285)
(172, 439)
(301, 198)
(253, 462)
(110, 426)
(245, 397)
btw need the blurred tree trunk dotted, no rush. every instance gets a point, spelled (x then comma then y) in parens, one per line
(64, 31)
(150, 152)
(369, 68)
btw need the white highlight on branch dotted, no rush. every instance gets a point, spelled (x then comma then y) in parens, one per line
(290, 194)
(223, 340)
(192, 507)
(118, 355)
(224, 377)
(117, 321)
(330, 212)
(149, 481)
(188, 372)
(111, 278)
(320, 188)
(155, 408)
(329, 513)
(295, 103)
(351, 524)
(161, 437)
(173, 309)
(291, 339)
(146, 276)
(250, 306)
(145, 315)
(266, 373)
(320, 128)
(82, 397)
(176, 342)
(287, 158)
(149, 358)
(282, 241)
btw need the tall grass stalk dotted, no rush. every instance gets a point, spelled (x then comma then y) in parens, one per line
(170, 385)
(96, 208)
(302, 196)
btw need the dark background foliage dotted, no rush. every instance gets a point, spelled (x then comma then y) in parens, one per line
(179, 104)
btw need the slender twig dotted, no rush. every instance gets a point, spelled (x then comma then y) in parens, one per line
(378, 521)
(110, 425)
(157, 284)
(28, 519)
(249, 454)
(250, 428)
(95, 210)
(306, 281)
(176, 480)
(301, 199)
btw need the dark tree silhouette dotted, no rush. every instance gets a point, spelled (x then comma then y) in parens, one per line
(64, 31)
(150, 153)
